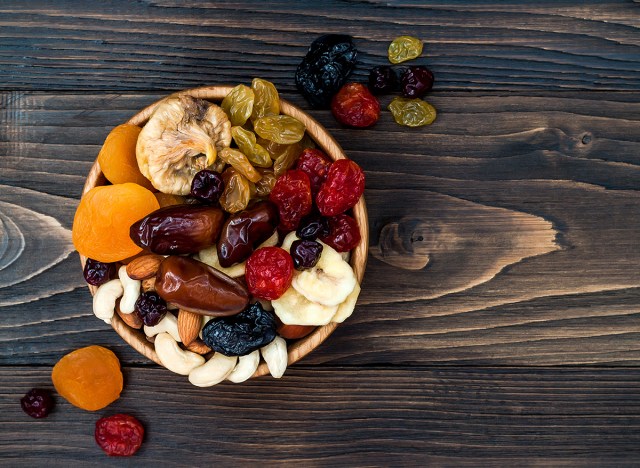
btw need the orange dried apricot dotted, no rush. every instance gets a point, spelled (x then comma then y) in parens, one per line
(117, 158)
(89, 378)
(103, 218)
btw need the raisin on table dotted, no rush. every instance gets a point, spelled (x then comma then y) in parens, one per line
(119, 435)
(412, 112)
(354, 105)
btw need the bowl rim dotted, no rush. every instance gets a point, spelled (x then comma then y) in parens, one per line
(303, 346)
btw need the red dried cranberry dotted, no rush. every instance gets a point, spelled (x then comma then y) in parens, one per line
(313, 226)
(292, 196)
(268, 272)
(382, 80)
(97, 273)
(416, 81)
(344, 234)
(342, 189)
(207, 186)
(354, 105)
(151, 308)
(37, 403)
(305, 253)
(315, 164)
(119, 435)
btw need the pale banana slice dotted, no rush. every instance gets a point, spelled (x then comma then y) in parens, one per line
(288, 240)
(346, 308)
(245, 368)
(292, 308)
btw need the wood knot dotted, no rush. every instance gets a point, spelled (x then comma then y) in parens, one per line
(405, 243)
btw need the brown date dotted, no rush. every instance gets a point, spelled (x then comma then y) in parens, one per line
(178, 229)
(199, 288)
(245, 230)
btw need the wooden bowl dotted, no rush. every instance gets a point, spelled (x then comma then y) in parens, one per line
(325, 141)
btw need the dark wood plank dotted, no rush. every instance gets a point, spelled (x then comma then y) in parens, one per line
(148, 45)
(366, 417)
(505, 233)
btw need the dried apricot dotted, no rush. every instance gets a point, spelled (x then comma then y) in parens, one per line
(103, 218)
(117, 158)
(168, 199)
(89, 378)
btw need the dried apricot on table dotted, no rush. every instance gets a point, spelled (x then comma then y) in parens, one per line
(89, 378)
(103, 218)
(117, 158)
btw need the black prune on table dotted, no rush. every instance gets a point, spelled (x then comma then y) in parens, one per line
(416, 81)
(324, 70)
(382, 80)
(241, 334)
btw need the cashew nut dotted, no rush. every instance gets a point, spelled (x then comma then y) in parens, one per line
(245, 368)
(205, 319)
(131, 291)
(275, 355)
(214, 371)
(168, 324)
(175, 359)
(104, 300)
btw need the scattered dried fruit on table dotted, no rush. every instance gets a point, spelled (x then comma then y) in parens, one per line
(97, 273)
(292, 196)
(342, 189)
(238, 104)
(315, 164)
(344, 234)
(404, 48)
(268, 273)
(282, 129)
(416, 81)
(207, 186)
(383, 80)
(412, 112)
(354, 105)
(89, 378)
(267, 100)
(119, 435)
(37, 403)
(117, 157)
(103, 218)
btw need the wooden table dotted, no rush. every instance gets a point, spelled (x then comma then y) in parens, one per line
(499, 321)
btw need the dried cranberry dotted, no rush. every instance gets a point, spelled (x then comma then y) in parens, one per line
(292, 196)
(382, 80)
(151, 308)
(416, 81)
(207, 186)
(344, 234)
(305, 253)
(268, 272)
(315, 164)
(97, 273)
(119, 435)
(354, 105)
(342, 189)
(313, 226)
(37, 403)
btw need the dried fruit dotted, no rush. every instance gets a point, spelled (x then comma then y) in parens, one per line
(416, 81)
(354, 105)
(267, 101)
(240, 163)
(286, 159)
(97, 273)
(237, 191)
(255, 153)
(305, 253)
(344, 234)
(144, 267)
(119, 435)
(265, 185)
(294, 332)
(268, 273)
(412, 112)
(207, 186)
(382, 80)
(313, 226)
(315, 164)
(178, 229)
(240, 334)
(150, 308)
(103, 218)
(404, 48)
(238, 104)
(342, 189)
(292, 196)
(167, 199)
(329, 62)
(117, 157)
(37, 403)
(282, 129)
(89, 378)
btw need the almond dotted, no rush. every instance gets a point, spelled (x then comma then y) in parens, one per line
(144, 267)
(198, 346)
(130, 319)
(189, 325)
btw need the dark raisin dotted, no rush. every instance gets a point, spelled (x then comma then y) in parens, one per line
(97, 273)
(37, 403)
(326, 67)
(207, 186)
(313, 226)
(416, 81)
(305, 254)
(151, 308)
(241, 334)
(383, 80)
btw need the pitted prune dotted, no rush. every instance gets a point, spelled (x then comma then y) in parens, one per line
(207, 186)
(416, 81)
(329, 62)
(382, 80)
(37, 403)
(305, 254)
(241, 334)
(150, 308)
(97, 273)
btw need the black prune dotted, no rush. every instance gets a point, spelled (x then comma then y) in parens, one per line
(241, 334)
(97, 273)
(382, 80)
(305, 253)
(313, 226)
(207, 186)
(416, 81)
(324, 70)
(37, 403)
(151, 308)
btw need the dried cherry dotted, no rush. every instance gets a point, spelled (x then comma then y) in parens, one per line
(292, 196)
(269, 272)
(342, 189)
(382, 80)
(207, 186)
(97, 273)
(37, 403)
(305, 253)
(151, 308)
(119, 435)
(315, 164)
(416, 81)
(344, 234)
(354, 105)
